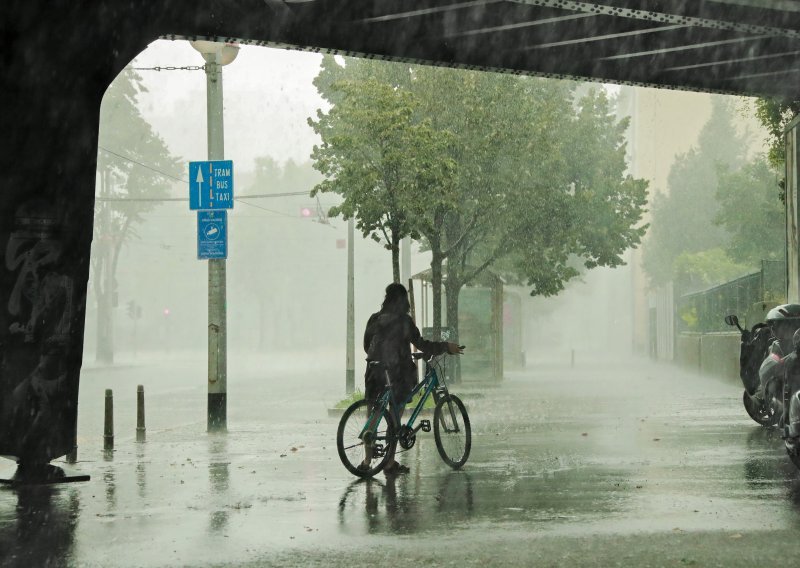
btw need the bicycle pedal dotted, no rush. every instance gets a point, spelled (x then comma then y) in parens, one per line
(425, 425)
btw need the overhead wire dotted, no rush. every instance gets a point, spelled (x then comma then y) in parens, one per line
(129, 159)
(165, 174)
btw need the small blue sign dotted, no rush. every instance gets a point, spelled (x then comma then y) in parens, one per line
(212, 234)
(211, 185)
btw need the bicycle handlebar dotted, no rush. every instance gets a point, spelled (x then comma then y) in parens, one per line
(420, 355)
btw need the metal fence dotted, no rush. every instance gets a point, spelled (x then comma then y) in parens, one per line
(704, 311)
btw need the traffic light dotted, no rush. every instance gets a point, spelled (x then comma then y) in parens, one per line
(315, 212)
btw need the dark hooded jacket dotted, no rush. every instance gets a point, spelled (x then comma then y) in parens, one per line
(388, 338)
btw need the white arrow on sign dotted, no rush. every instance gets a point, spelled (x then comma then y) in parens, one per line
(199, 181)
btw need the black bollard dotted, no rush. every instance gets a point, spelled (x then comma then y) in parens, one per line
(140, 431)
(108, 434)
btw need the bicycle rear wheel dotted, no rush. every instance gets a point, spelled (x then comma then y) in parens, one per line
(452, 431)
(367, 454)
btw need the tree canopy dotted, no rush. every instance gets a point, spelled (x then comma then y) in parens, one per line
(683, 218)
(381, 160)
(128, 146)
(483, 168)
(775, 115)
(752, 213)
(133, 162)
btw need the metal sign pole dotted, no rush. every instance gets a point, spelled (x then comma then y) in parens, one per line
(217, 324)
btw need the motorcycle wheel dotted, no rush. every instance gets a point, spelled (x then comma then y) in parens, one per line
(765, 415)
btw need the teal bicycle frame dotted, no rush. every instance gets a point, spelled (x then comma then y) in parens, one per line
(430, 383)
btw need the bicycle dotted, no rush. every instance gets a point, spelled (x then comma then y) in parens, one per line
(373, 435)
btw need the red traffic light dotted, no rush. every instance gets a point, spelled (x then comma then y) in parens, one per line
(306, 212)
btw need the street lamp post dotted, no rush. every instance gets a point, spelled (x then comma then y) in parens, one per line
(216, 55)
(350, 372)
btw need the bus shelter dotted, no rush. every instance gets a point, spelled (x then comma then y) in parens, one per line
(484, 310)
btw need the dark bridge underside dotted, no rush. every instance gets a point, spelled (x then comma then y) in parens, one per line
(58, 57)
(730, 46)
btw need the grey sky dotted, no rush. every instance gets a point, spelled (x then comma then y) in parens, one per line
(268, 98)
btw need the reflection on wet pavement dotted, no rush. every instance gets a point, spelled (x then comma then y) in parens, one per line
(218, 476)
(141, 470)
(395, 505)
(40, 530)
(671, 456)
(111, 488)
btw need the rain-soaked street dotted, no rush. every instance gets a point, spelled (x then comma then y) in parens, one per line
(607, 463)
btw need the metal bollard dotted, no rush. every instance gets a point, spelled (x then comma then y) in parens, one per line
(108, 434)
(140, 431)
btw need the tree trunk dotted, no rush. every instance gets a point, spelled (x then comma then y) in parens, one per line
(436, 289)
(395, 258)
(452, 292)
(104, 352)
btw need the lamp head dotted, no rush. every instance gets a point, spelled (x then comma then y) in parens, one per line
(216, 51)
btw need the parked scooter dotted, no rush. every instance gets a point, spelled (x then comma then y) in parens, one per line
(754, 349)
(778, 372)
(791, 417)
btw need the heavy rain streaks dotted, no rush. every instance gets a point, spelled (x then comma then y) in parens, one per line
(583, 240)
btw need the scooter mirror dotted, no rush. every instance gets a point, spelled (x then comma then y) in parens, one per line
(732, 320)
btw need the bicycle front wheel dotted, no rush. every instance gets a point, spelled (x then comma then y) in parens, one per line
(452, 431)
(365, 452)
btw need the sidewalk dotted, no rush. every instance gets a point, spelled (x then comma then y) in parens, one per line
(177, 497)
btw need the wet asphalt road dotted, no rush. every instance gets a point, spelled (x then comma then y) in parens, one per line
(609, 464)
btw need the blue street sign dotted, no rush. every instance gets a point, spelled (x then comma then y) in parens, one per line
(212, 234)
(211, 185)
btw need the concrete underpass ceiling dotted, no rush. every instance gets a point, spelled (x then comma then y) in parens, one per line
(746, 47)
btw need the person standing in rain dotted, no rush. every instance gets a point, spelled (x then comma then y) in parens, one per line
(388, 337)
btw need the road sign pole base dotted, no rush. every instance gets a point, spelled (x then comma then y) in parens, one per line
(217, 412)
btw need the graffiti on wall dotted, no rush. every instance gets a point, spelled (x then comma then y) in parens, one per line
(40, 312)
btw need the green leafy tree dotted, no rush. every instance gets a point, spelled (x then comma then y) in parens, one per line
(133, 162)
(703, 269)
(380, 159)
(683, 219)
(752, 213)
(489, 118)
(488, 165)
(775, 115)
(526, 209)
(601, 207)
